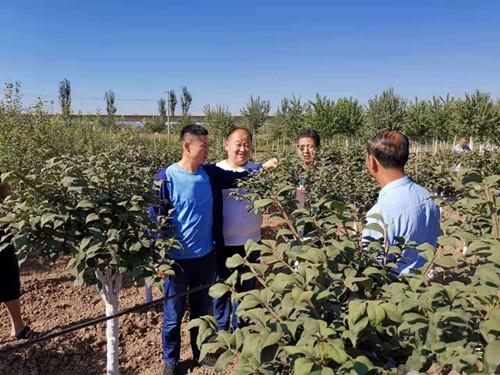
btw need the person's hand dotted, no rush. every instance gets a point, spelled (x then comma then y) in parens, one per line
(270, 164)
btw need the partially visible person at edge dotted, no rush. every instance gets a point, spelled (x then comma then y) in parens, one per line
(408, 209)
(10, 291)
(239, 226)
(462, 145)
(194, 191)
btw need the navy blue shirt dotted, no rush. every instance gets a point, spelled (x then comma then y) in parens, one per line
(197, 200)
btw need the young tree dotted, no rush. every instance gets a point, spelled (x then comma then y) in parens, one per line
(218, 120)
(476, 116)
(255, 113)
(12, 95)
(155, 124)
(65, 97)
(385, 112)
(320, 115)
(184, 120)
(418, 120)
(289, 118)
(162, 109)
(329, 117)
(186, 100)
(96, 209)
(109, 97)
(440, 126)
(349, 116)
(172, 100)
(495, 131)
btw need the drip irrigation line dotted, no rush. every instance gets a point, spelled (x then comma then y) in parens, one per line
(101, 319)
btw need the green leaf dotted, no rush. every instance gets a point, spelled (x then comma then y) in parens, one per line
(272, 339)
(376, 314)
(261, 203)
(84, 204)
(91, 217)
(85, 242)
(302, 366)
(447, 261)
(47, 217)
(218, 290)
(338, 355)
(235, 261)
(447, 241)
(224, 360)
(492, 357)
(135, 247)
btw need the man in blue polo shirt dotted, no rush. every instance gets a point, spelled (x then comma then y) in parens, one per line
(408, 209)
(194, 190)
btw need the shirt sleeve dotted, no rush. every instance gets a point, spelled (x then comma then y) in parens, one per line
(229, 179)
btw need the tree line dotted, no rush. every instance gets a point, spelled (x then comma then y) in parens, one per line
(476, 115)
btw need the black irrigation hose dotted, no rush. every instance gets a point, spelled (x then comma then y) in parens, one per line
(93, 322)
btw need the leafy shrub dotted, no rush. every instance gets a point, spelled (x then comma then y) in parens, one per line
(325, 305)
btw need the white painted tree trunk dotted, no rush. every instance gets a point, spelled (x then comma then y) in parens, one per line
(149, 292)
(111, 285)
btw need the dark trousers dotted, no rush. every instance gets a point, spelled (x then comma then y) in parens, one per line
(224, 310)
(192, 273)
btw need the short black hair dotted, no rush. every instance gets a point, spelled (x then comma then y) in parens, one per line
(192, 129)
(390, 148)
(309, 133)
(235, 129)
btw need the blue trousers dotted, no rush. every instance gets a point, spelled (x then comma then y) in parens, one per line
(190, 273)
(224, 310)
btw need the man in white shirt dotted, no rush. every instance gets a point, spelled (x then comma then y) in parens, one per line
(239, 225)
(462, 145)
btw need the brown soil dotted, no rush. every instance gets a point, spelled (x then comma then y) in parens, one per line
(51, 302)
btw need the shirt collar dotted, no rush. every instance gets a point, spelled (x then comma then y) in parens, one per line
(394, 184)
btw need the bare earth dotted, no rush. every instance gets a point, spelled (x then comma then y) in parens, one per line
(51, 302)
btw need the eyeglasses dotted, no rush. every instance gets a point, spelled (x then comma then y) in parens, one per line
(307, 147)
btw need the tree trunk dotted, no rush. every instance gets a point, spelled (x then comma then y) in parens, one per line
(111, 285)
(149, 292)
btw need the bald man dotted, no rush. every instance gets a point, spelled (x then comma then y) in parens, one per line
(408, 209)
(239, 226)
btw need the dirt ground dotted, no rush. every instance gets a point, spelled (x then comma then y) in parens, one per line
(51, 302)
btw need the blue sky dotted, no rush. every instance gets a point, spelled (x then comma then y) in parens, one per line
(225, 51)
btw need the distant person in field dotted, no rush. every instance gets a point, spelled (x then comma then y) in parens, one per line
(462, 145)
(194, 190)
(10, 286)
(239, 226)
(308, 144)
(408, 209)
